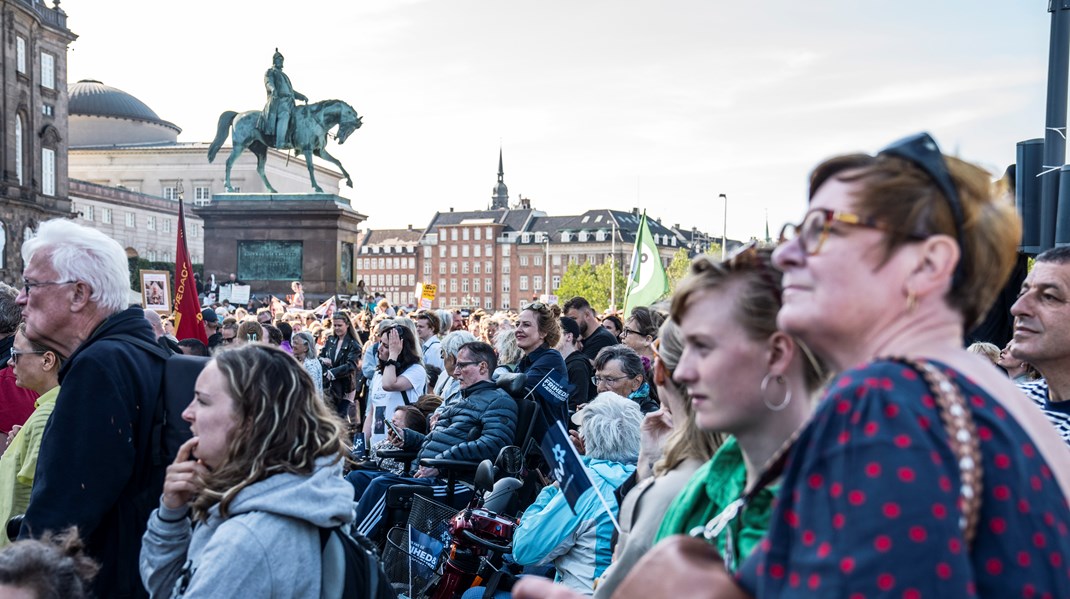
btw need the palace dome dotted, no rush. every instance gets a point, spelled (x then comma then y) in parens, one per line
(91, 104)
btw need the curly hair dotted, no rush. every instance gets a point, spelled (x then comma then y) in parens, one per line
(53, 567)
(281, 424)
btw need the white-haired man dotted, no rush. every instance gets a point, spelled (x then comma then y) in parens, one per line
(95, 468)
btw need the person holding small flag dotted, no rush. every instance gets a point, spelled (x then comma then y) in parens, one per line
(575, 533)
(537, 332)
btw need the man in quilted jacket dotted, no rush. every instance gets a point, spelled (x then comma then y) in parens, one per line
(475, 428)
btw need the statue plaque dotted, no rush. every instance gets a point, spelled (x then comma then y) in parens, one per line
(270, 260)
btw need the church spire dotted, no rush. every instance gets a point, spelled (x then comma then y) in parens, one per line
(500, 197)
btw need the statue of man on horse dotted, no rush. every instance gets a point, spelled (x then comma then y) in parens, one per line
(283, 125)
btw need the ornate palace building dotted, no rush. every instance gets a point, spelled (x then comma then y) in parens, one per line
(33, 73)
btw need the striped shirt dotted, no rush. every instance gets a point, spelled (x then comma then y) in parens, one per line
(1057, 412)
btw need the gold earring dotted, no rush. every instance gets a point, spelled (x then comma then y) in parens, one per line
(912, 301)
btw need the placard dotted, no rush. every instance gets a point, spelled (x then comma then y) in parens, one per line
(156, 291)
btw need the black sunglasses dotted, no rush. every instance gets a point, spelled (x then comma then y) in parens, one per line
(922, 150)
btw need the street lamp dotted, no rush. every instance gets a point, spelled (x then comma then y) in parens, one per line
(724, 226)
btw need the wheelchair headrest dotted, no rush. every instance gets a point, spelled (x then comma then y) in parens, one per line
(512, 383)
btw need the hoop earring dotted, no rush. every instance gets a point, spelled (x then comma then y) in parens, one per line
(787, 393)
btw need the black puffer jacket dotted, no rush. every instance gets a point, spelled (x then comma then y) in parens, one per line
(475, 428)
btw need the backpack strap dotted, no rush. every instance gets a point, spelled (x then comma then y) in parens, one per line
(159, 414)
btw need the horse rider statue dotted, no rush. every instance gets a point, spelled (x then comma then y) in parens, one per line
(275, 119)
(284, 125)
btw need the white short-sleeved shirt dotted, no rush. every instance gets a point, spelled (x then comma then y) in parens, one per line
(382, 403)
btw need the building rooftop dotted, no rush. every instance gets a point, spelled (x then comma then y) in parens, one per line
(89, 97)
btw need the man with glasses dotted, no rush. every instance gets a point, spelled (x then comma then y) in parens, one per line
(16, 402)
(473, 428)
(228, 333)
(595, 336)
(96, 468)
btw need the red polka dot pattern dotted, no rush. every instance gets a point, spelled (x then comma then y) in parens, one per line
(868, 504)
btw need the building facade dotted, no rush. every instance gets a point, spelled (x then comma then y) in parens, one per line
(386, 263)
(33, 71)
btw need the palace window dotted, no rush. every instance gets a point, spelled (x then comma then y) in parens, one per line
(48, 70)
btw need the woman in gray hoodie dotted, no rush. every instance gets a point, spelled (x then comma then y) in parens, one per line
(243, 502)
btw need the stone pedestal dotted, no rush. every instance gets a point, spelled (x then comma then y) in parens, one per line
(269, 240)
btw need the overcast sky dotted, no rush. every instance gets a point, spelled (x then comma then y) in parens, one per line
(658, 104)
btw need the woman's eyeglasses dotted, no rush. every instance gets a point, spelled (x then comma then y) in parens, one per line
(624, 333)
(817, 224)
(16, 353)
(609, 380)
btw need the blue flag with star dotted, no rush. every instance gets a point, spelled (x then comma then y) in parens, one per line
(565, 465)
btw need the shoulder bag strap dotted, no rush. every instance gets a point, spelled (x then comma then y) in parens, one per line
(963, 440)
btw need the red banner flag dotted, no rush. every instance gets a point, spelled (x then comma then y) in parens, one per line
(189, 324)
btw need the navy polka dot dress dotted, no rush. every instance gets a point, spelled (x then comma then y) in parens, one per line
(868, 506)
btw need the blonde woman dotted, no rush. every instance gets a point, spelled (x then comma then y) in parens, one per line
(243, 502)
(672, 448)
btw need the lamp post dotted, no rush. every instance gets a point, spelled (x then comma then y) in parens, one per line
(724, 226)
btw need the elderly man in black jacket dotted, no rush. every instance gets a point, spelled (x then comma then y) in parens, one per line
(474, 428)
(96, 467)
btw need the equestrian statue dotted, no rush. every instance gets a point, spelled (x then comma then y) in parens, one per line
(285, 126)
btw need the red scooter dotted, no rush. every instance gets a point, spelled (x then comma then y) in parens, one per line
(483, 532)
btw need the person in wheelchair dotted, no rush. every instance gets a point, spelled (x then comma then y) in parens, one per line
(577, 542)
(473, 428)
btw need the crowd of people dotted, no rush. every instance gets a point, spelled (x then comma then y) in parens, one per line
(808, 415)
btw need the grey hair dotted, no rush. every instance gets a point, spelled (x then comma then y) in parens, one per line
(446, 318)
(82, 254)
(309, 341)
(451, 344)
(10, 312)
(505, 343)
(611, 428)
(154, 320)
(630, 362)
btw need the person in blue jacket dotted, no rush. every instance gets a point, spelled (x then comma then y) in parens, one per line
(578, 542)
(537, 332)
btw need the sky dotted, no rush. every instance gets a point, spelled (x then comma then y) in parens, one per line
(661, 105)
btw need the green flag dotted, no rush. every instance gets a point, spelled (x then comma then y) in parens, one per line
(647, 282)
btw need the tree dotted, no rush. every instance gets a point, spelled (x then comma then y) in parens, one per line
(678, 267)
(593, 283)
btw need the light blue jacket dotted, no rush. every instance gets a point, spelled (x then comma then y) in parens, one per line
(577, 543)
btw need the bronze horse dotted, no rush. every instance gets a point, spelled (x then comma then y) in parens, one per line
(311, 126)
